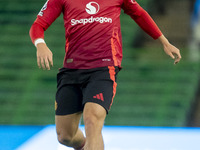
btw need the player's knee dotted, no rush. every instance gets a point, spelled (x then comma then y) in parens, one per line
(65, 139)
(90, 121)
(93, 116)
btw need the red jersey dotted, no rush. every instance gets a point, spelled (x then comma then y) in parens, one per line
(92, 29)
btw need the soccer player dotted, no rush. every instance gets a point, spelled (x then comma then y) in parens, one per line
(87, 81)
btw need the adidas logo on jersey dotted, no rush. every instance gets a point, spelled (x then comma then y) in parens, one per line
(99, 96)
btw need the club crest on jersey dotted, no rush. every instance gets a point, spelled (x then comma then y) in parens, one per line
(92, 8)
(43, 8)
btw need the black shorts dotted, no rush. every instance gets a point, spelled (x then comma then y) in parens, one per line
(75, 87)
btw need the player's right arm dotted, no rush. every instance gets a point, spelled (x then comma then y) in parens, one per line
(44, 56)
(48, 14)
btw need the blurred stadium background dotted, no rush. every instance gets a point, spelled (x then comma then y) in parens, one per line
(151, 90)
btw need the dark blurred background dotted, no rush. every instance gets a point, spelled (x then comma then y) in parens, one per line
(151, 90)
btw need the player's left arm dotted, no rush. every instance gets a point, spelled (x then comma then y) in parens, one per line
(170, 49)
(146, 23)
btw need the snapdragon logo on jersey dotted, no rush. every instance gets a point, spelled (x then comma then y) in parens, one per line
(91, 8)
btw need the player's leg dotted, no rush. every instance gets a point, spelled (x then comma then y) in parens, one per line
(68, 114)
(68, 131)
(94, 116)
(98, 96)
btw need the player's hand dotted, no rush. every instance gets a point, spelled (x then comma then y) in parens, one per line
(170, 50)
(44, 56)
(173, 52)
